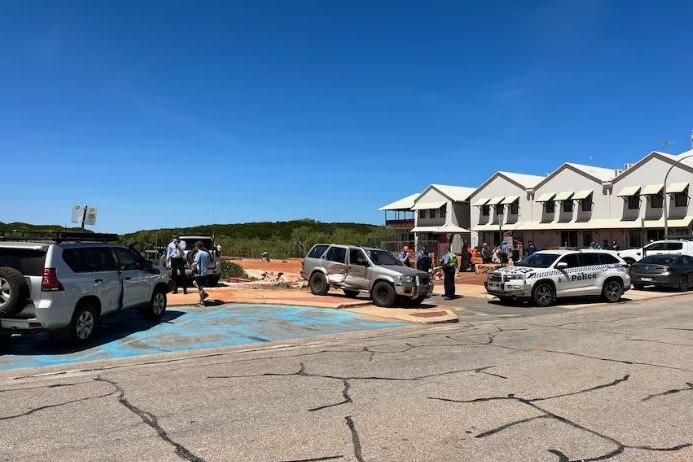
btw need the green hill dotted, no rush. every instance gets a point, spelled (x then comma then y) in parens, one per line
(283, 239)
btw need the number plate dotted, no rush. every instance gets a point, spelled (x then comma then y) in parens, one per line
(645, 279)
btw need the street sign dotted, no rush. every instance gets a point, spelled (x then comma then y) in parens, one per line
(77, 213)
(90, 218)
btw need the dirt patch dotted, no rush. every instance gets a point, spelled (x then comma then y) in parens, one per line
(286, 266)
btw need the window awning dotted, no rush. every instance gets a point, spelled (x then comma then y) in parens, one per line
(444, 229)
(546, 197)
(629, 191)
(429, 205)
(582, 195)
(481, 202)
(677, 188)
(564, 196)
(652, 189)
(495, 200)
(510, 199)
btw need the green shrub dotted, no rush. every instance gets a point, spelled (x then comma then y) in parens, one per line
(232, 269)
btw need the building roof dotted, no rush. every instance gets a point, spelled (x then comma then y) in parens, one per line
(603, 174)
(527, 181)
(456, 193)
(405, 203)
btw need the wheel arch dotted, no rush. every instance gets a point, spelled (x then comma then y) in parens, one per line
(93, 299)
(386, 279)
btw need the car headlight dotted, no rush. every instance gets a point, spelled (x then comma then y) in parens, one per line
(405, 280)
(511, 277)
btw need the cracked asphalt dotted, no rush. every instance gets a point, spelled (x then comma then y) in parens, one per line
(608, 382)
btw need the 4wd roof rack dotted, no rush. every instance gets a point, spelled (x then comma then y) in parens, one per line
(58, 236)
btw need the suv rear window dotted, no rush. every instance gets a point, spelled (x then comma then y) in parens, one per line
(317, 251)
(76, 260)
(29, 262)
(590, 259)
(608, 259)
(336, 254)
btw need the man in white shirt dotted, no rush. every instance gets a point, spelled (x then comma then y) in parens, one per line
(175, 259)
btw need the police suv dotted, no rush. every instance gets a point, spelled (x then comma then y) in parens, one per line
(547, 275)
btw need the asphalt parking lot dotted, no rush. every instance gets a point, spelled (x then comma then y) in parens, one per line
(186, 329)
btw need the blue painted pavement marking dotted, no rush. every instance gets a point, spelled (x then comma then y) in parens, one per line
(185, 329)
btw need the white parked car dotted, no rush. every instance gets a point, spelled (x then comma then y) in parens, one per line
(66, 282)
(550, 274)
(669, 247)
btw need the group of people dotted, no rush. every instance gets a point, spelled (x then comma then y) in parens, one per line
(175, 261)
(501, 254)
(605, 245)
(448, 264)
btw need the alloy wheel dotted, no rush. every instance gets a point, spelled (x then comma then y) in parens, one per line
(85, 325)
(158, 303)
(613, 291)
(5, 292)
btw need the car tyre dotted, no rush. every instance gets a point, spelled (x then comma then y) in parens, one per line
(612, 291)
(683, 283)
(84, 324)
(318, 284)
(383, 294)
(156, 307)
(14, 291)
(544, 295)
(351, 293)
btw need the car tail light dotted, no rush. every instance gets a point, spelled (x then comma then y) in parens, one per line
(50, 280)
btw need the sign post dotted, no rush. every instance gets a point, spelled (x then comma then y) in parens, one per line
(84, 214)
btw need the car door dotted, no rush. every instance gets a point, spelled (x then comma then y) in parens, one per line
(136, 281)
(103, 271)
(593, 273)
(357, 269)
(335, 264)
(569, 283)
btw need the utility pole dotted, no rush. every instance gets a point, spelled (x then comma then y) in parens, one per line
(84, 215)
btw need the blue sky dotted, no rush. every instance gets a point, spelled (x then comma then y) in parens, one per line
(180, 113)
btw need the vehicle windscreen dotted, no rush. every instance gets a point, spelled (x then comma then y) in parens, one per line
(190, 243)
(382, 257)
(658, 260)
(539, 260)
(29, 262)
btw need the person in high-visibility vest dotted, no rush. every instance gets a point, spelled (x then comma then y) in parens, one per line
(449, 267)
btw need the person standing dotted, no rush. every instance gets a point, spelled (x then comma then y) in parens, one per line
(615, 246)
(449, 267)
(531, 249)
(200, 266)
(403, 256)
(423, 259)
(175, 259)
(486, 253)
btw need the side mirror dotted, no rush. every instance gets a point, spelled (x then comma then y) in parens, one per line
(561, 265)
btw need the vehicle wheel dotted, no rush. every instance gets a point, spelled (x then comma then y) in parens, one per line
(383, 294)
(85, 323)
(156, 307)
(638, 287)
(351, 293)
(683, 283)
(318, 284)
(14, 291)
(612, 291)
(543, 295)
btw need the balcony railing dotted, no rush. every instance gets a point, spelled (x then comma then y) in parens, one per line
(406, 223)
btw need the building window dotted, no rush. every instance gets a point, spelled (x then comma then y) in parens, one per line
(485, 210)
(680, 200)
(634, 238)
(422, 214)
(587, 238)
(550, 206)
(586, 204)
(442, 211)
(515, 208)
(633, 202)
(657, 201)
(567, 206)
(433, 213)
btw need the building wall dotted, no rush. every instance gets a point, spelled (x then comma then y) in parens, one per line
(651, 172)
(433, 195)
(499, 186)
